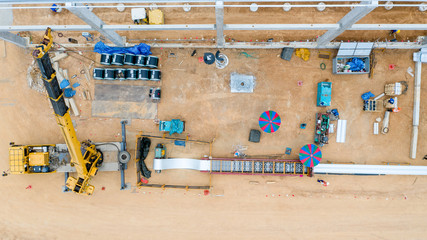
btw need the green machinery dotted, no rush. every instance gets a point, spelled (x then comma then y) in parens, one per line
(321, 136)
(160, 153)
(172, 126)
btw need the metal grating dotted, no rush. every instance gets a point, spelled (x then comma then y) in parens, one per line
(268, 167)
(216, 166)
(278, 167)
(259, 166)
(247, 166)
(226, 166)
(355, 49)
(237, 166)
(299, 168)
(289, 168)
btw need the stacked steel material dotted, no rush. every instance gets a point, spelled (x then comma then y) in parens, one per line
(131, 73)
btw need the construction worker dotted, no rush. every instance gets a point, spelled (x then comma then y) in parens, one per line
(394, 34)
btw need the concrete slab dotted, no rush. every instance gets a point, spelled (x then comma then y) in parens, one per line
(121, 93)
(123, 101)
(128, 110)
(241, 83)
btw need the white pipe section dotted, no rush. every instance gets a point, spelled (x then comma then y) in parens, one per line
(369, 169)
(379, 96)
(416, 112)
(181, 163)
(386, 119)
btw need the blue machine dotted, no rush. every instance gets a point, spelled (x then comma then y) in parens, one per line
(324, 91)
(172, 126)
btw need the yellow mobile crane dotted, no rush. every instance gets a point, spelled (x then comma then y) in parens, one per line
(84, 156)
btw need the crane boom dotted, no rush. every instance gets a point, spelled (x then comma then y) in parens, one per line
(84, 155)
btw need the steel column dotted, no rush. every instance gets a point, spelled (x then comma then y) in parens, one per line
(96, 23)
(13, 38)
(424, 43)
(347, 21)
(219, 15)
(416, 111)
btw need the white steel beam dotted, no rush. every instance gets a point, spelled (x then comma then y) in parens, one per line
(281, 26)
(209, 5)
(421, 27)
(416, 111)
(347, 21)
(229, 27)
(33, 2)
(259, 45)
(165, 27)
(219, 15)
(97, 24)
(13, 38)
(358, 169)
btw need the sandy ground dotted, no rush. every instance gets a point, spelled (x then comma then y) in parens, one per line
(389, 207)
(351, 207)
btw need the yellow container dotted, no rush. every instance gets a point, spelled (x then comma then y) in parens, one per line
(39, 159)
(156, 17)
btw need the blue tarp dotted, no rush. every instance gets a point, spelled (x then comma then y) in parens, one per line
(367, 95)
(140, 49)
(356, 64)
(69, 92)
(65, 83)
(179, 143)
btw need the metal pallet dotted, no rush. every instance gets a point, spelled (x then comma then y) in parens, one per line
(258, 167)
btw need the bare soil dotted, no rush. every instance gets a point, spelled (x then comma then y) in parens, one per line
(374, 207)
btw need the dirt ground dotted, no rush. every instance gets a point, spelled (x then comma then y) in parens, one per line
(202, 15)
(351, 207)
(388, 207)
